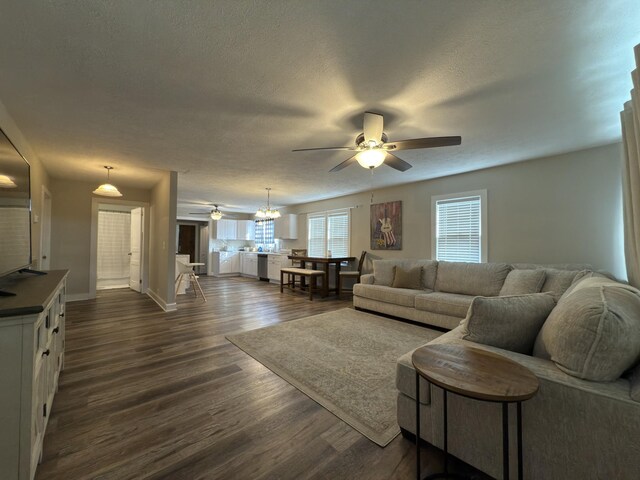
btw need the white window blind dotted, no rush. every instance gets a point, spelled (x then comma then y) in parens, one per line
(328, 233)
(264, 231)
(316, 238)
(459, 229)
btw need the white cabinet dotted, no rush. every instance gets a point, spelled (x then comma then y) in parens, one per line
(246, 230)
(226, 229)
(249, 264)
(229, 262)
(286, 227)
(32, 330)
(275, 263)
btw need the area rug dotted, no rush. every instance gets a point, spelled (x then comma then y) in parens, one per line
(345, 360)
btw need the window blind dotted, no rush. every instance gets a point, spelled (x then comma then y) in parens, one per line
(328, 233)
(458, 229)
(265, 231)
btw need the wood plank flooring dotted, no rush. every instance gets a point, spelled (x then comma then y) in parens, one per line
(153, 395)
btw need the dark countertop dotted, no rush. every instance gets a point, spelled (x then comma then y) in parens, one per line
(33, 292)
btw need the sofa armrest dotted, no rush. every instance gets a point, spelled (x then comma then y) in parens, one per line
(367, 278)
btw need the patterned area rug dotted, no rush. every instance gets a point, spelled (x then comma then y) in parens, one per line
(344, 360)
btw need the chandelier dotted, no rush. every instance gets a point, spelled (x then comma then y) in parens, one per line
(268, 212)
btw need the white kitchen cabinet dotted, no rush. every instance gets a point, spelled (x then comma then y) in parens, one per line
(32, 329)
(275, 263)
(229, 262)
(226, 229)
(246, 230)
(286, 227)
(249, 264)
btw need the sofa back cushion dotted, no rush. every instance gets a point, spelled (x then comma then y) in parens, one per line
(508, 322)
(520, 282)
(485, 279)
(383, 271)
(558, 281)
(594, 332)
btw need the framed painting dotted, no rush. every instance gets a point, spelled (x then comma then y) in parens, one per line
(386, 226)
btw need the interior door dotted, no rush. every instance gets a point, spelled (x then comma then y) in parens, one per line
(45, 233)
(187, 241)
(135, 265)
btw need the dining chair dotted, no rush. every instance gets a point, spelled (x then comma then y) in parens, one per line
(344, 274)
(185, 270)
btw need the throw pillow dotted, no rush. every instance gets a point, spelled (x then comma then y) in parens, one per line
(519, 282)
(557, 281)
(511, 322)
(407, 278)
(594, 333)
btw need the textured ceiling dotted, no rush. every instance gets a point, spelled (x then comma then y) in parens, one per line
(223, 91)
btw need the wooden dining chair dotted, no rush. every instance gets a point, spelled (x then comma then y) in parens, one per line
(344, 274)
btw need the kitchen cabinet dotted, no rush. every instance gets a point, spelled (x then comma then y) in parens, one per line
(226, 229)
(286, 227)
(32, 330)
(275, 263)
(229, 262)
(249, 264)
(246, 230)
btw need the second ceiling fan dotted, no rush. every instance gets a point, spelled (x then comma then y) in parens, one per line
(373, 148)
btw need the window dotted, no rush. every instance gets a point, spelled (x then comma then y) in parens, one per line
(459, 231)
(265, 231)
(328, 233)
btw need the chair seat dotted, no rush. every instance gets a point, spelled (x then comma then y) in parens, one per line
(349, 273)
(302, 271)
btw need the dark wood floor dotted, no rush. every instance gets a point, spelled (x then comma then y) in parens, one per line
(146, 394)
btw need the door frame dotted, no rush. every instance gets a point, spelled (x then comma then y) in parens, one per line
(44, 212)
(144, 257)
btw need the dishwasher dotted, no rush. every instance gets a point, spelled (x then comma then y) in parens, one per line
(263, 266)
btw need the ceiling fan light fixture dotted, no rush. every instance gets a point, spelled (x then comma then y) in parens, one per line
(106, 189)
(216, 214)
(371, 158)
(268, 212)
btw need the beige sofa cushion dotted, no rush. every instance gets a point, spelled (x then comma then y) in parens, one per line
(634, 381)
(519, 282)
(485, 279)
(593, 333)
(398, 296)
(452, 304)
(407, 278)
(510, 322)
(558, 281)
(591, 279)
(383, 272)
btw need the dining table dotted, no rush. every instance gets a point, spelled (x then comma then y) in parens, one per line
(325, 262)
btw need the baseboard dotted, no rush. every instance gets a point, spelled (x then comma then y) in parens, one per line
(167, 307)
(77, 297)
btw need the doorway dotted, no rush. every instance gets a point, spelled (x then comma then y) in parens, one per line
(192, 238)
(114, 246)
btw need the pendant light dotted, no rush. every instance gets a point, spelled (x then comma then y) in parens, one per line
(106, 189)
(267, 212)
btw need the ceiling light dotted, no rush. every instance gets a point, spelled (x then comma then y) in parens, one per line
(268, 212)
(6, 182)
(106, 189)
(371, 158)
(216, 214)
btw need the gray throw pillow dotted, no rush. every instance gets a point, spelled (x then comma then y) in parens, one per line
(520, 282)
(510, 322)
(593, 333)
(407, 278)
(557, 281)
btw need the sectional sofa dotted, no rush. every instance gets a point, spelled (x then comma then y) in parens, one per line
(581, 339)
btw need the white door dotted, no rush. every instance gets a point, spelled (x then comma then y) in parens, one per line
(135, 265)
(45, 232)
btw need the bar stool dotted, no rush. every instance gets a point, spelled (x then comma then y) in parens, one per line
(186, 269)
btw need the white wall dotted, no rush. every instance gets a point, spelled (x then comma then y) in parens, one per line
(558, 209)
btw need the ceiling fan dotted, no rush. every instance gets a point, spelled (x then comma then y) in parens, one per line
(373, 147)
(215, 214)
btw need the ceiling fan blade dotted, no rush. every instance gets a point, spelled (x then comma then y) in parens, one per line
(322, 148)
(344, 164)
(397, 163)
(372, 127)
(423, 143)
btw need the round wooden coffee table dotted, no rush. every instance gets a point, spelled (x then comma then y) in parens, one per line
(471, 372)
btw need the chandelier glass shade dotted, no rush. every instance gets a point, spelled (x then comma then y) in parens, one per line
(106, 189)
(268, 212)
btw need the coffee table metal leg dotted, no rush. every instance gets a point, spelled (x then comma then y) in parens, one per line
(417, 426)
(519, 427)
(505, 440)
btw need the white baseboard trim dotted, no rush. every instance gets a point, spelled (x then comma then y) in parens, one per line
(76, 297)
(167, 307)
